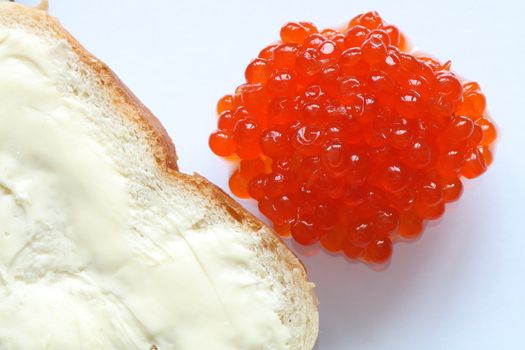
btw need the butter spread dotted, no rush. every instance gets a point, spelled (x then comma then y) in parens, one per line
(74, 274)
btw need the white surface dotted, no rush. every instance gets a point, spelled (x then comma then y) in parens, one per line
(462, 285)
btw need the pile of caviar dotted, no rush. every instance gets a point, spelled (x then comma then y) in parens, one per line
(345, 138)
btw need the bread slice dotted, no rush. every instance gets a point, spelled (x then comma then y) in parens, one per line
(104, 244)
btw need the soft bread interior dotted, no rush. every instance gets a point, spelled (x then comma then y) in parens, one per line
(103, 247)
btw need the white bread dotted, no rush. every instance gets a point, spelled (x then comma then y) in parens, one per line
(143, 154)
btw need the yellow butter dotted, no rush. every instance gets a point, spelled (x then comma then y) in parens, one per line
(74, 272)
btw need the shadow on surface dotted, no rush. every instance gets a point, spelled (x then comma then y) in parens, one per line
(359, 306)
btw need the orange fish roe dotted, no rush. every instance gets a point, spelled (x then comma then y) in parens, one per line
(347, 139)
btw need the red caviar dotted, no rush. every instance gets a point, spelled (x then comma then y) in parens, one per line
(346, 138)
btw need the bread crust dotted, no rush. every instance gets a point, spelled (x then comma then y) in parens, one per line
(166, 159)
(160, 142)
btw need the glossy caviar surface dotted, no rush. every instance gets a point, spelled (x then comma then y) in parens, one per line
(345, 138)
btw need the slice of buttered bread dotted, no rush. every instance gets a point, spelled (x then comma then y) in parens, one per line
(103, 243)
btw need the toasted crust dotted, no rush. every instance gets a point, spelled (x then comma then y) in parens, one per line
(164, 151)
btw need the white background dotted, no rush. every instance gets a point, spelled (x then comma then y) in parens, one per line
(462, 285)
